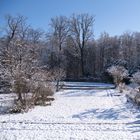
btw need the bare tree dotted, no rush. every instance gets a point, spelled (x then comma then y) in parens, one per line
(80, 27)
(59, 31)
(58, 35)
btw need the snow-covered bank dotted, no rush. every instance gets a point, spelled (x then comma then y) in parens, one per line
(132, 93)
(76, 114)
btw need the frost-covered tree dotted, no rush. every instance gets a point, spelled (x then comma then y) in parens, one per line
(118, 73)
(19, 58)
(9, 50)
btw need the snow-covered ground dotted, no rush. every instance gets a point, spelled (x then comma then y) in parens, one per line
(76, 115)
(85, 85)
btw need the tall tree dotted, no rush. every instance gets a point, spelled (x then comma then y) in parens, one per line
(81, 31)
(57, 35)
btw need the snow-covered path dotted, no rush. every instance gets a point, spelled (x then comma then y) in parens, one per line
(76, 114)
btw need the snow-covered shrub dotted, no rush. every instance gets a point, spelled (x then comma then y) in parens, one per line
(121, 87)
(17, 107)
(135, 92)
(136, 77)
(37, 90)
(118, 73)
(43, 94)
(20, 87)
(42, 88)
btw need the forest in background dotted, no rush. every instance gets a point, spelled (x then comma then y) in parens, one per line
(68, 49)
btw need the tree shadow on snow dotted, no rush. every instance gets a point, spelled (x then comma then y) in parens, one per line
(103, 114)
(135, 110)
(5, 106)
(135, 125)
(4, 110)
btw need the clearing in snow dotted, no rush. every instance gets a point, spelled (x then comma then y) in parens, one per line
(102, 114)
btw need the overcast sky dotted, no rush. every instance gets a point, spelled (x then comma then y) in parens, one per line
(112, 16)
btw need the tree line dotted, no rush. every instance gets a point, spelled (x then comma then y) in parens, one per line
(71, 45)
(68, 49)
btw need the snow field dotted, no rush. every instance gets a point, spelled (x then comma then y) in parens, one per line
(76, 115)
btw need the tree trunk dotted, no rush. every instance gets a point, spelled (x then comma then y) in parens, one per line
(57, 85)
(20, 97)
(82, 62)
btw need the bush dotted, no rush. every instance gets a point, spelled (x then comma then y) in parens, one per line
(136, 77)
(37, 90)
(42, 94)
(20, 87)
(118, 73)
(20, 107)
(135, 92)
(17, 107)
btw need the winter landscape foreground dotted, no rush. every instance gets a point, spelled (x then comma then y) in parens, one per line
(81, 114)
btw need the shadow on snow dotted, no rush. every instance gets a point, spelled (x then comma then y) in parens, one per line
(104, 114)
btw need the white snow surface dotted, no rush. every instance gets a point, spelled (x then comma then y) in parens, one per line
(75, 115)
